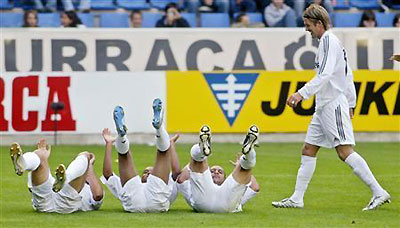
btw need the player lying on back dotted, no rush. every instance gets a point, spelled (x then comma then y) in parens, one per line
(207, 190)
(135, 196)
(331, 125)
(75, 189)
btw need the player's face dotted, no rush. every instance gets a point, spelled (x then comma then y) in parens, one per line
(311, 27)
(217, 174)
(146, 172)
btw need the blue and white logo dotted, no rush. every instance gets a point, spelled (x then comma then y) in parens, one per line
(231, 91)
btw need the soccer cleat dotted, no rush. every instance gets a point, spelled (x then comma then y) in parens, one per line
(377, 201)
(205, 140)
(287, 203)
(16, 155)
(251, 139)
(158, 113)
(119, 121)
(60, 178)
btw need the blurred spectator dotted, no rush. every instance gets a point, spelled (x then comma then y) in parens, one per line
(136, 19)
(368, 19)
(69, 19)
(208, 6)
(243, 6)
(242, 20)
(396, 21)
(278, 14)
(172, 17)
(300, 6)
(46, 5)
(30, 19)
(84, 5)
(193, 5)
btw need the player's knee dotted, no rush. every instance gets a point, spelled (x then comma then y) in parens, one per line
(308, 150)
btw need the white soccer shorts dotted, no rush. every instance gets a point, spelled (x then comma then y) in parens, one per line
(67, 200)
(331, 125)
(209, 197)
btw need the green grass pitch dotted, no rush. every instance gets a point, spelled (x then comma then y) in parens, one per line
(334, 198)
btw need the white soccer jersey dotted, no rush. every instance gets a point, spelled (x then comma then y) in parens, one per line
(334, 76)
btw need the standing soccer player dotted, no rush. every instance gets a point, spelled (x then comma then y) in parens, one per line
(331, 125)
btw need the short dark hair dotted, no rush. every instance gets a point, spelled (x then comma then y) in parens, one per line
(395, 19)
(135, 12)
(239, 17)
(74, 18)
(171, 5)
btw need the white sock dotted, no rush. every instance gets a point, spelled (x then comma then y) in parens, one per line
(196, 153)
(361, 169)
(304, 176)
(162, 139)
(30, 161)
(248, 161)
(248, 195)
(77, 168)
(122, 144)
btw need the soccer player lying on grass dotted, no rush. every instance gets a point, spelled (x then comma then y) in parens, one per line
(135, 196)
(218, 176)
(331, 125)
(75, 189)
(209, 190)
(113, 182)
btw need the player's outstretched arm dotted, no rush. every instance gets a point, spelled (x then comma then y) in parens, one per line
(395, 58)
(107, 163)
(94, 182)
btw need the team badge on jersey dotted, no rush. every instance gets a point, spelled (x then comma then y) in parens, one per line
(231, 91)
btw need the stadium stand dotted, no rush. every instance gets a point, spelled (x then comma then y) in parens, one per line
(102, 5)
(191, 19)
(254, 17)
(5, 5)
(346, 19)
(133, 5)
(11, 19)
(214, 20)
(365, 4)
(87, 19)
(49, 20)
(385, 19)
(114, 20)
(150, 19)
(160, 4)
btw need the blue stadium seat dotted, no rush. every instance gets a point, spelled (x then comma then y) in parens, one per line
(214, 20)
(149, 20)
(87, 19)
(385, 19)
(346, 19)
(341, 5)
(114, 20)
(365, 4)
(102, 5)
(5, 5)
(134, 5)
(160, 4)
(190, 18)
(49, 20)
(11, 19)
(254, 17)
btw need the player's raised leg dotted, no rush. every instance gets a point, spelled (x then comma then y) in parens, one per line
(126, 168)
(361, 169)
(242, 172)
(304, 175)
(162, 164)
(199, 152)
(36, 161)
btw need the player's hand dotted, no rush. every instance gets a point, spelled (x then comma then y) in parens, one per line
(351, 113)
(293, 100)
(395, 58)
(107, 136)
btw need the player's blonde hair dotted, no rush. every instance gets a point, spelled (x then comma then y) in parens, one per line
(317, 13)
